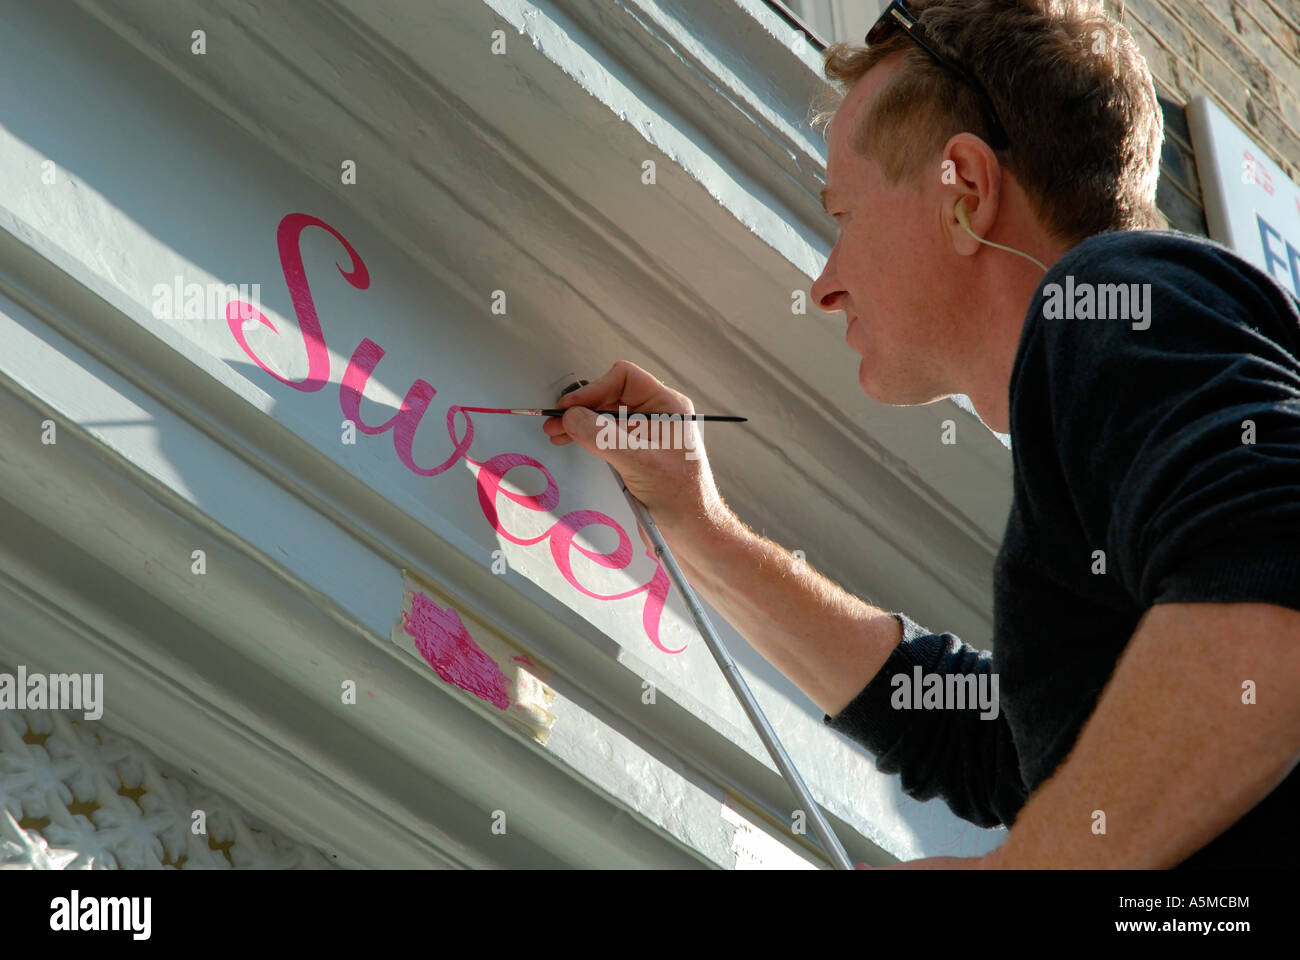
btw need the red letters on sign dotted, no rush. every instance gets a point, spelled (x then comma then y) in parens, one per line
(295, 277)
(406, 421)
(562, 532)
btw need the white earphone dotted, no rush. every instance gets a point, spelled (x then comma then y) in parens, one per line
(963, 218)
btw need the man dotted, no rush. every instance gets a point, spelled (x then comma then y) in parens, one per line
(992, 171)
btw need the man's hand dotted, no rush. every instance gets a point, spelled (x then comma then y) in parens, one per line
(827, 641)
(676, 485)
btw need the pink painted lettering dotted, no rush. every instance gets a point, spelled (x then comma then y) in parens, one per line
(295, 277)
(490, 475)
(440, 636)
(406, 421)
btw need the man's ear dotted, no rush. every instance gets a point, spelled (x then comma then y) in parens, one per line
(972, 179)
(958, 224)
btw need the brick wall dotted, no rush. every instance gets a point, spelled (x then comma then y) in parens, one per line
(1244, 55)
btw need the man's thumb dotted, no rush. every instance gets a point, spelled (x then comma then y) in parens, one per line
(580, 423)
(589, 429)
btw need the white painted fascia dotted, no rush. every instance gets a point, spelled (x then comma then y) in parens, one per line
(103, 511)
(489, 159)
(737, 218)
(235, 674)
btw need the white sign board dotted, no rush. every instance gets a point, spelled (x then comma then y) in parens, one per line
(1250, 204)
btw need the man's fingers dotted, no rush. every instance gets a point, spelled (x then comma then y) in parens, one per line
(583, 425)
(598, 392)
(624, 383)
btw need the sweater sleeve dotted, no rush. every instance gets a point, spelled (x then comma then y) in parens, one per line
(968, 760)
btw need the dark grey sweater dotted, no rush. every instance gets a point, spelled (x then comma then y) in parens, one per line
(1127, 441)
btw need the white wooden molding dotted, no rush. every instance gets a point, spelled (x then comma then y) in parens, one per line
(475, 172)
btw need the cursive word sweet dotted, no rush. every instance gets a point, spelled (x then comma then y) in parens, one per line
(243, 317)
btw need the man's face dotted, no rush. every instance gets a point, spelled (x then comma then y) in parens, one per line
(886, 269)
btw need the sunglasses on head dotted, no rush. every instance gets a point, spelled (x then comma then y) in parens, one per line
(896, 16)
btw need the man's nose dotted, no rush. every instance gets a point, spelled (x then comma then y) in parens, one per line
(826, 292)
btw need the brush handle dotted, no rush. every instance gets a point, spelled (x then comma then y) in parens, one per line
(714, 418)
(839, 857)
(559, 412)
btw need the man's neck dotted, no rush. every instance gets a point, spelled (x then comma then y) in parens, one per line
(998, 329)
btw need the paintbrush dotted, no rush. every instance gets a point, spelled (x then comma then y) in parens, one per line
(559, 412)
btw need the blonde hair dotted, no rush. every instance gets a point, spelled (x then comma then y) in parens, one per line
(1068, 84)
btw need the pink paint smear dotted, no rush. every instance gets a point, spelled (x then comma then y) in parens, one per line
(443, 641)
